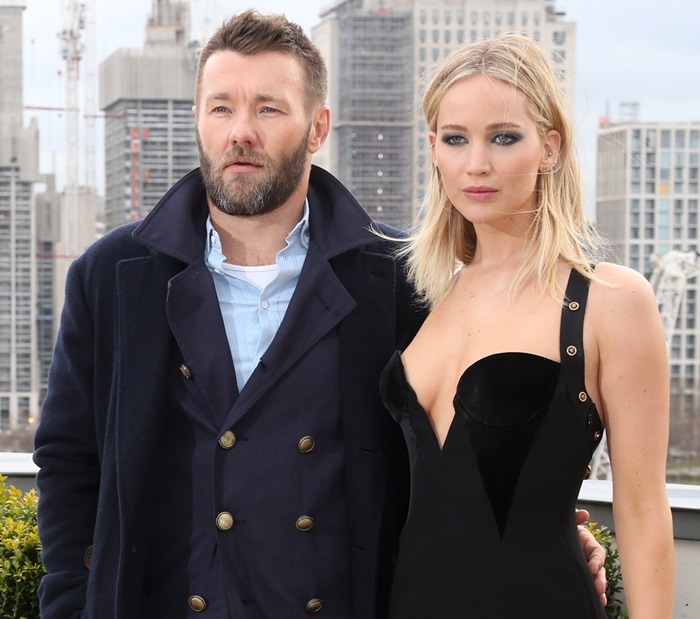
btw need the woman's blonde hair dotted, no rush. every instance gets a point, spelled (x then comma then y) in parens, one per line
(442, 238)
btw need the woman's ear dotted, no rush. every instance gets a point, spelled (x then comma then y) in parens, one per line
(550, 151)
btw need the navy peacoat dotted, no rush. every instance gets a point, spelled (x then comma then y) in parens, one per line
(97, 444)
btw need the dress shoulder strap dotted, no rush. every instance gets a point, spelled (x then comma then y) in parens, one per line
(572, 353)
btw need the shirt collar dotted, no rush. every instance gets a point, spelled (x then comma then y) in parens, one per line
(215, 258)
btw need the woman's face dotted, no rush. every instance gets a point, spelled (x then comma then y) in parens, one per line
(489, 153)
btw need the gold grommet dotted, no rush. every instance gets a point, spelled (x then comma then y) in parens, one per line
(597, 436)
(571, 351)
(583, 396)
(574, 305)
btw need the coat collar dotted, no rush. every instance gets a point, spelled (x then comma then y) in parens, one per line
(177, 224)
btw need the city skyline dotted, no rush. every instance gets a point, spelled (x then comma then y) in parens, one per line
(624, 54)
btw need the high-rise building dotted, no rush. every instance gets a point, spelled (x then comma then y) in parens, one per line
(647, 206)
(147, 97)
(19, 368)
(380, 54)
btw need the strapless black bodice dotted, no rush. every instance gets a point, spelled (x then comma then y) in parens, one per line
(491, 528)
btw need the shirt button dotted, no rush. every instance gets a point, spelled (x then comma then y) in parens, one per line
(198, 604)
(304, 523)
(306, 444)
(314, 606)
(227, 439)
(265, 305)
(224, 521)
(185, 371)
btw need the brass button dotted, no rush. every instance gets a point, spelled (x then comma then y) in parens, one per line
(185, 371)
(589, 470)
(224, 521)
(574, 305)
(313, 606)
(197, 603)
(571, 350)
(583, 396)
(306, 444)
(227, 439)
(305, 523)
(597, 435)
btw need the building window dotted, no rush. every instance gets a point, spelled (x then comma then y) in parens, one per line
(665, 138)
(694, 138)
(680, 138)
(559, 37)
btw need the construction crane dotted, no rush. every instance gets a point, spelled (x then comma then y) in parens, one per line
(669, 277)
(72, 51)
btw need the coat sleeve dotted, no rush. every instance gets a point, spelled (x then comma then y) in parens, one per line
(67, 454)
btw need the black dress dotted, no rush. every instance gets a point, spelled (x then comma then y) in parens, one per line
(491, 530)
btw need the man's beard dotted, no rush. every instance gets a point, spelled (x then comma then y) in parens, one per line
(244, 195)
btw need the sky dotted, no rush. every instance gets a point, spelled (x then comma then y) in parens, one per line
(627, 51)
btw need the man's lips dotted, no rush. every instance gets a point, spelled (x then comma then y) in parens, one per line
(241, 165)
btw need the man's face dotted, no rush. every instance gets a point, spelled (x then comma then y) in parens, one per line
(254, 132)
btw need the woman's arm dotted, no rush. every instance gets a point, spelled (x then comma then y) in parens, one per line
(633, 379)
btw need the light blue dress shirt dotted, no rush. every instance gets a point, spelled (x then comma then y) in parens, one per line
(253, 311)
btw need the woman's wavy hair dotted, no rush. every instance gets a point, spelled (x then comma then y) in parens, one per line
(442, 239)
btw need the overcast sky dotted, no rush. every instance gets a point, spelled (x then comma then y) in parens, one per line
(627, 51)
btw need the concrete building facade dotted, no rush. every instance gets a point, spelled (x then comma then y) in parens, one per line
(147, 97)
(380, 54)
(647, 202)
(19, 366)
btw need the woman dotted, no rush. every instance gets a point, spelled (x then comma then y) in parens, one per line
(500, 412)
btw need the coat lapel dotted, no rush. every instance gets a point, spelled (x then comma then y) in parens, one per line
(196, 322)
(319, 304)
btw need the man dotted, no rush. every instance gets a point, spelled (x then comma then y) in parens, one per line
(212, 440)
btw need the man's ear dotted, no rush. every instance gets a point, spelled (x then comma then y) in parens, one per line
(320, 128)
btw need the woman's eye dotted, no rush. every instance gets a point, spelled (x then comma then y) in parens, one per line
(454, 140)
(505, 139)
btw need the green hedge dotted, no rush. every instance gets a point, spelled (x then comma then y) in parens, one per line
(20, 553)
(614, 608)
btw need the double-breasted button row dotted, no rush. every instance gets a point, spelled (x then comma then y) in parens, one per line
(198, 604)
(305, 445)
